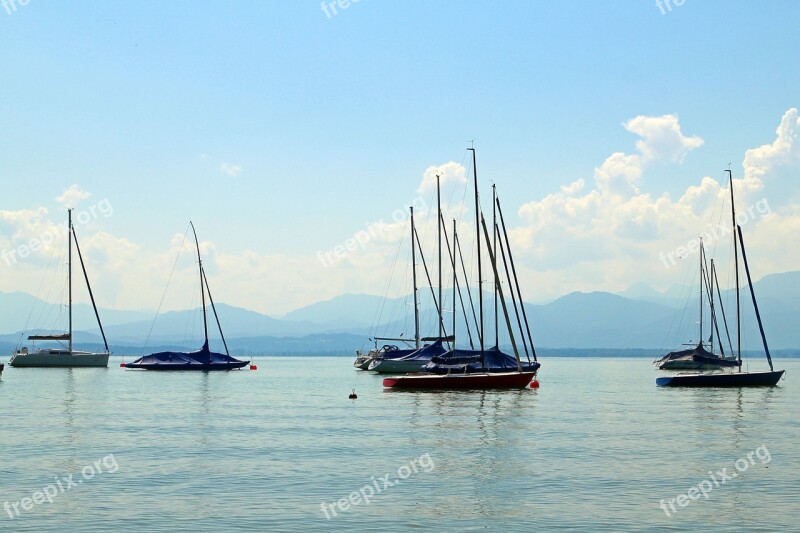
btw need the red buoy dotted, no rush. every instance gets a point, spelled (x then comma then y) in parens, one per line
(253, 367)
(122, 365)
(535, 384)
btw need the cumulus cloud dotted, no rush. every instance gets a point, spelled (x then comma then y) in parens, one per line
(603, 231)
(448, 173)
(72, 196)
(230, 170)
(612, 235)
(661, 138)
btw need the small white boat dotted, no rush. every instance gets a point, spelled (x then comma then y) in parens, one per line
(64, 356)
(58, 357)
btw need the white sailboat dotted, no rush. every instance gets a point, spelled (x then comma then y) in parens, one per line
(64, 355)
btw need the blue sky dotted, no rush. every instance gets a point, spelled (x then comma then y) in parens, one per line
(282, 132)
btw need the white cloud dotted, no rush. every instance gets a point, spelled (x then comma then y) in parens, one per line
(596, 233)
(450, 172)
(661, 138)
(230, 170)
(610, 237)
(73, 196)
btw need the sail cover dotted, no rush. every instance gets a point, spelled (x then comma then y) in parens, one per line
(469, 361)
(203, 359)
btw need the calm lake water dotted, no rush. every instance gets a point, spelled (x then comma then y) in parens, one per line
(597, 447)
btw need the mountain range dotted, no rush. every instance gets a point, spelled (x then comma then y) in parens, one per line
(639, 318)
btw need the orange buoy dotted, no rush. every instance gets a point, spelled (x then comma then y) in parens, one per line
(535, 384)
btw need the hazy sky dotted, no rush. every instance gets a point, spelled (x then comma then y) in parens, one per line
(283, 129)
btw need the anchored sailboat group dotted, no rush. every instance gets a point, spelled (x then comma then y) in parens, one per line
(65, 356)
(454, 359)
(701, 359)
(440, 364)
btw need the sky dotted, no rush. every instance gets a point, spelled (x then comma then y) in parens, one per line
(283, 129)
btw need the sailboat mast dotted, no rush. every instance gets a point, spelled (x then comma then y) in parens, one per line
(69, 270)
(89, 288)
(439, 234)
(516, 278)
(711, 301)
(492, 258)
(455, 282)
(702, 277)
(202, 287)
(736, 264)
(478, 248)
(753, 295)
(494, 247)
(414, 276)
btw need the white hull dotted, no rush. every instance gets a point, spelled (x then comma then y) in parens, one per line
(59, 359)
(397, 366)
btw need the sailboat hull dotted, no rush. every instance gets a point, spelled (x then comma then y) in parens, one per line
(393, 366)
(506, 380)
(733, 379)
(203, 360)
(698, 363)
(58, 359)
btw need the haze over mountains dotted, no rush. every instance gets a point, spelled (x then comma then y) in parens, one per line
(638, 318)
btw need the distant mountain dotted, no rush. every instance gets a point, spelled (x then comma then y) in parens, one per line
(599, 320)
(345, 311)
(20, 309)
(784, 286)
(641, 317)
(236, 322)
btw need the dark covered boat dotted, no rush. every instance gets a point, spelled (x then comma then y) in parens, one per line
(738, 378)
(697, 358)
(493, 360)
(204, 358)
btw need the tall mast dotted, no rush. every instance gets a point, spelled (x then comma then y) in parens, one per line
(711, 302)
(753, 295)
(439, 233)
(494, 247)
(478, 248)
(89, 288)
(455, 282)
(516, 279)
(701, 291)
(202, 287)
(502, 299)
(736, 263)
(69, 270)
(414, 276)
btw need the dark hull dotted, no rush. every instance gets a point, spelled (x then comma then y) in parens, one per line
(508, 380)
(203, 360)
(734, 379)
(188, 366)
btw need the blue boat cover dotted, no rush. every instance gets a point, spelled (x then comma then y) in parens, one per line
(392, 352)
(425, 353)
(699, 354)
(203, 359)
(469, 361)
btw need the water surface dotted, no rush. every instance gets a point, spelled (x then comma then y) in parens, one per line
(597, 447)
